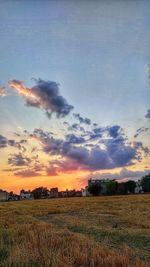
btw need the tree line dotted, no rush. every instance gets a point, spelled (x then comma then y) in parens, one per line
(113, 187)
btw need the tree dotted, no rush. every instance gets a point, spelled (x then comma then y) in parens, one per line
(130, 186)
(112, 187)
(94, 189)
(145, 183)
(121, 188)
(40, 192)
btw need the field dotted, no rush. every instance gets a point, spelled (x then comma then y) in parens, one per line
(94, 231)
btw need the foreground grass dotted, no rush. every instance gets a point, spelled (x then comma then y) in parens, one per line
(95, 231)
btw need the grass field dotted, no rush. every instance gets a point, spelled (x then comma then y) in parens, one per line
(94, 231)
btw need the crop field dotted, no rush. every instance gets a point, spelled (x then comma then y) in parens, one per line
(95, 231)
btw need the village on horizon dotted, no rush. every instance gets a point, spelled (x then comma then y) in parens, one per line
(95, 187)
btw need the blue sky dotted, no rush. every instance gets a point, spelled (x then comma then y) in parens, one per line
(98, 51)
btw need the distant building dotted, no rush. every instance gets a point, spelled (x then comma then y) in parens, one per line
(25, 194)
(101, 183)
(138, 189)
(78, 193)
(13, 197)
(54, 192)
(4, 195)
(70, 193)
(85, 192)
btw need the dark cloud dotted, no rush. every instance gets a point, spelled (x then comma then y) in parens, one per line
(140, 147)
(140, 130)
(76, 127)
(81, 119)
(96, 133)
(116, 152)
(3, 141)
(73, 139)
(95, 124)
(19, 160)
(114, 131)
(148, 114)
(95, 136)
(44, 95)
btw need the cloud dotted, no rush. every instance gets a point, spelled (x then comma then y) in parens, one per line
(51, 171)
(111, 131)
(114, 131)
(148, 114)
(73, 139)
(65, 166)
(96, 133)
(109, 154)
(122, 175)
(76, 127)
(140, 130)
(27, 173)
(2, 91)
(18, 160)
(81, 119)
(148, 71)
(3, 141)
(44, 95)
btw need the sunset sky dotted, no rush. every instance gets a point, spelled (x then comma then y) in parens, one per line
(74, 92)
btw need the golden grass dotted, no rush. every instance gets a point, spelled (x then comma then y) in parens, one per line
(94, 231)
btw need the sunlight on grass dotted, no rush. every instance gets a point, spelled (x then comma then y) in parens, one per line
(95, 231)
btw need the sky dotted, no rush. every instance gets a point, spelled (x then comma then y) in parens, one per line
(74, 92)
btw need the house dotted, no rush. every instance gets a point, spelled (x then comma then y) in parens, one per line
(138, 189)
(13, 197)
(25, 194)
(85, 192)
(54, 192)
(4, 195)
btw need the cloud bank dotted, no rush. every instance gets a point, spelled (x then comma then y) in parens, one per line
(108, 153)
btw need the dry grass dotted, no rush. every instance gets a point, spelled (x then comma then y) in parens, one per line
(95, 231)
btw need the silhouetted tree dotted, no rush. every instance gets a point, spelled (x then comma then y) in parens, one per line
(130, 186)
(94, 189)
(121, 188)
(145, 183)
(112, 187)
(40, 192)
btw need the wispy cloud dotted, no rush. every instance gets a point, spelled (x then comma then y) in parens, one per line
(140, 131)
(2, 92)
(27, 173)
(81, 119)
